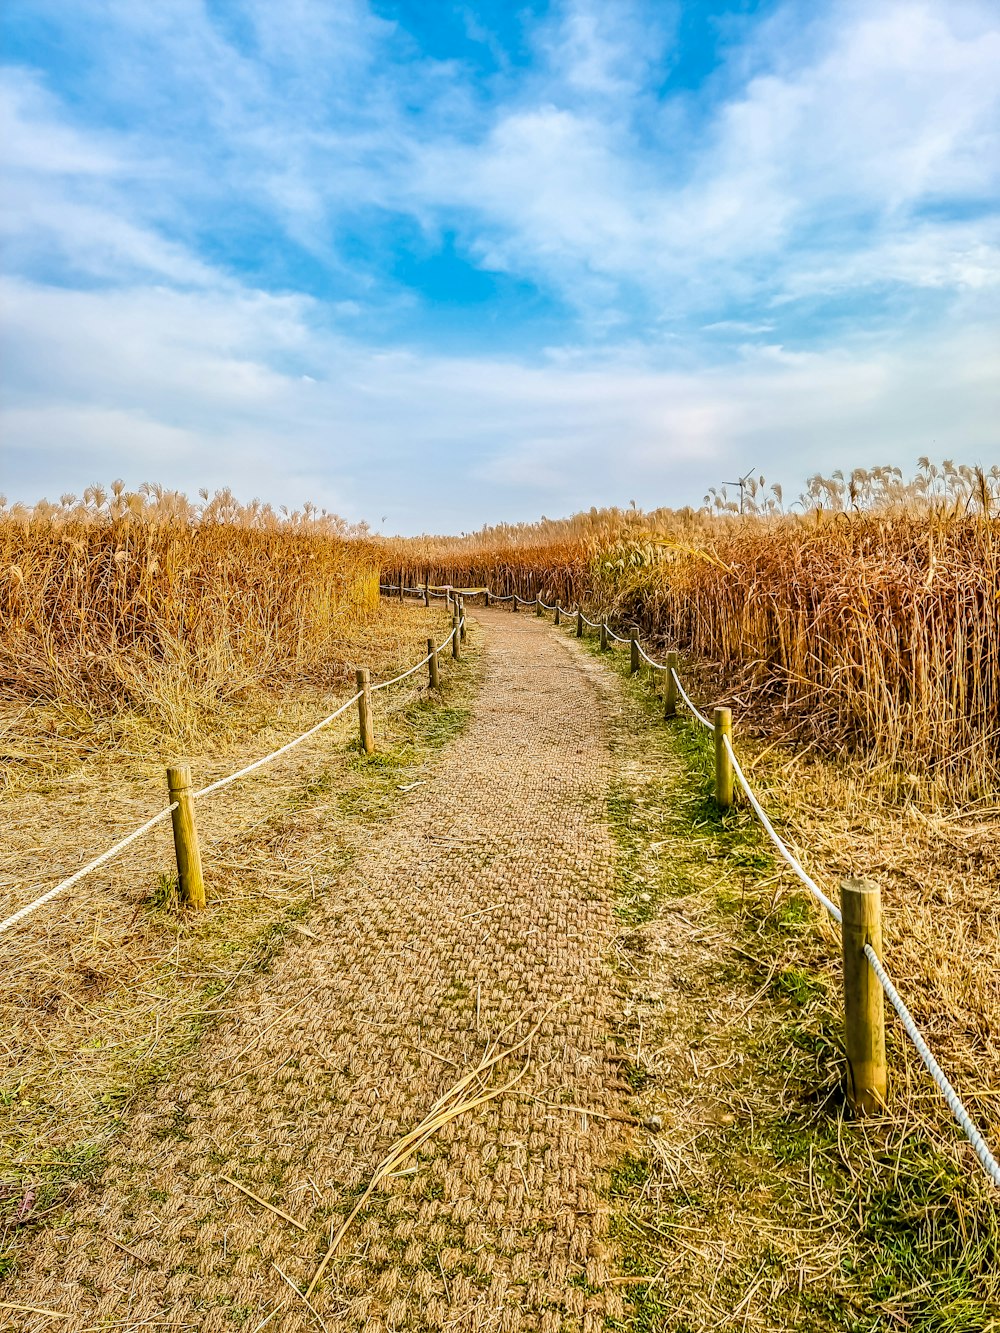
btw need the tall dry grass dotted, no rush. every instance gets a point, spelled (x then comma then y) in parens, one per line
(149, 602)
(869, 613)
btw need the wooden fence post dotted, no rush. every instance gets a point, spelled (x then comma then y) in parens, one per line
(864, 1003)
(365, 728)
(513, 602)
(427, 595)
(633, 648)
(461, 616)
(456, 639)
(486, 594)
(433, 668)
(723, 720)
(579, 623)
(604, 636)
(538, 606)
(670, 692)
(558, 615)
(190, 881)
(401, 587)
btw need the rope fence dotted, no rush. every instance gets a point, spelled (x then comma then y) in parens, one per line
(186, 845)
(859, 917)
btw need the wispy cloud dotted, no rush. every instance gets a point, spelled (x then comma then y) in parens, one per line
(233, 237)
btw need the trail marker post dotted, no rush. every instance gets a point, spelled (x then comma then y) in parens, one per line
(864, 1003)
(190, 880)
(723, 725)
(366, 731)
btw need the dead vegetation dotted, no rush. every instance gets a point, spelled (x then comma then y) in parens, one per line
(758, 1202)
(107, 989)
(870, 618)
(145, 603)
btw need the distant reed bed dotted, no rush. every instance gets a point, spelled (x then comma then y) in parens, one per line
(870, 614)
(150, 602)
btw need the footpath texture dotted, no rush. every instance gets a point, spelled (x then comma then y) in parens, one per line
(484, 906)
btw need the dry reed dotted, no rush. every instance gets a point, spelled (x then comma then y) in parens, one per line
(149, 603)
(871, 619)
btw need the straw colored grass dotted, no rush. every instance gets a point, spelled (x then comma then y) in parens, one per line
(870, 620)
(758, 1202)
(108, 988)
(146, 604)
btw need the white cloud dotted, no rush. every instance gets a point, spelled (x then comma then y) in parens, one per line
(860, 154)
(201, 388)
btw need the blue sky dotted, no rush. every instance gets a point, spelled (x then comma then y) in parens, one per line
(433, 265)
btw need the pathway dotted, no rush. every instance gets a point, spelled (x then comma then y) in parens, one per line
(486, 903)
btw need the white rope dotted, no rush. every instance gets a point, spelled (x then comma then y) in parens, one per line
(98, 861)
(782, 847)
(687, 699)
(989, 1163)
(657, 666)
(259, 763)
(384, 684)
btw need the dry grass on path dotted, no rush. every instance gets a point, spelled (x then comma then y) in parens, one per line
(108, 987)
(762, 1204)
(482, 909)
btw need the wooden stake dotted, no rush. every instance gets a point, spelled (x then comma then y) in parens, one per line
(486, 595)
(538, 606)
(558, 614)
(864, 1003)
(461, 616)
(435, 673)
(427, 595)
(456, 639)
(579, 624)
(513, 602)
(633, 647)
(365, 728)
(189, 877)
(670, 692)
(604, 636)
(723, 719)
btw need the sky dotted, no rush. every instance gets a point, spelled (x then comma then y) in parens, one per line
(433, 265)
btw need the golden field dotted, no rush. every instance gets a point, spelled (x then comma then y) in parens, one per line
(865, 619)
(146, 602)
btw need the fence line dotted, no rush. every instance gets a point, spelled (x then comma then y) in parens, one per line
(987, 1160)
(85, 870)
(111, 852)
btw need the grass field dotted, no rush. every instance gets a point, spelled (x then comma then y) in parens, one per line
(865, 619)
(857, 640)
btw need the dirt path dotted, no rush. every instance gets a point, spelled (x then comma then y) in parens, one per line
(485, 903)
